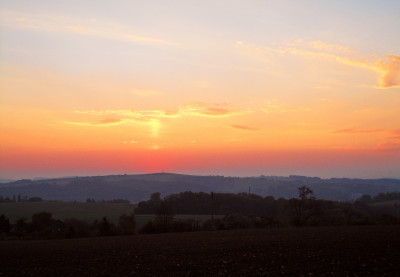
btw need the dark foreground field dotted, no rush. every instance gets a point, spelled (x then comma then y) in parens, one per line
(335, 251)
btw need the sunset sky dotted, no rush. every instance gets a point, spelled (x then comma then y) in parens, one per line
(239, 88)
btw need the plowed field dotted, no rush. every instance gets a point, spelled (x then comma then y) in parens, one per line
(333, 251)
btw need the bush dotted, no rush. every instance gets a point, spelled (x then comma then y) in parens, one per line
(127, 224)
(75, 228)
(148, 228)
(236, 221)
(106, 228)
(181, 226)
(217, 224)
(268, 221)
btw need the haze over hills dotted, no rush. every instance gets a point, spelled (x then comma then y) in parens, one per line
(139, 187)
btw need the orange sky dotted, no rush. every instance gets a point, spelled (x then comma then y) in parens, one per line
(238, 89)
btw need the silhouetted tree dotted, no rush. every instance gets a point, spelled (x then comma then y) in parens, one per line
(5, 225)
(76, 228)
(155, 197)
(303, 207)
(236, 221)
(21, 228)
(164, 216)
(306, 193)
(127, 224)
(41, 221)
(106, 228)
(148, 228)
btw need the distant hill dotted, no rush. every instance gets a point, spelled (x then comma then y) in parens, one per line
(139, 187)
(2, 181)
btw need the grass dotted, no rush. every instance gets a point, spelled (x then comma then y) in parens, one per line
(63, 210)
(389, 203)
(83, 211)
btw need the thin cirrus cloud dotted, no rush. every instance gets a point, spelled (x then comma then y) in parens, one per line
(243, 127)
(102, 122)
(355, 131)
(199, 109)
(89, 27)
(147, 92)
(389, 144)
(387, 66)
(392, 142)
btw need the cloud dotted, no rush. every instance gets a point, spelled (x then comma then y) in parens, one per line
(271, 107)
(131, 115)
(131, 142)
(355, 131)
(395, 132)
(323, 46)
(246, 128)
(110, 121)
(389, 144)
(391, 71)
(88, 27)
(388, 66)
(153, 117)
(147, 93)
(102, 122)
(203, 109)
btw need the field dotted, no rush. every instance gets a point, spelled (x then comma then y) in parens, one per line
(334, 251)
(64, 210)
(83, 211)
(391, 207)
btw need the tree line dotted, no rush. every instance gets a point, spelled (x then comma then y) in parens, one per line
(19, 198)
(381, 197)
(243, 210)
(246, 209)
(43, 226)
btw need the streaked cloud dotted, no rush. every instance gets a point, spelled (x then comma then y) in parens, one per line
(131, 142)
(102, 122)
(147, 92)
(243, 127)
(203, 109)
(272, 107)
(387, 66)
(389, 144)
(322, 46)
(153, 117)
(87, 27)
(355, 131)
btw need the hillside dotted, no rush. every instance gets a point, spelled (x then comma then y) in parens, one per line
(139, 187)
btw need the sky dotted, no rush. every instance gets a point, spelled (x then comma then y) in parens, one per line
(238, 88)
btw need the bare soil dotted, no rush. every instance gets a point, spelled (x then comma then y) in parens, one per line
(322, 251)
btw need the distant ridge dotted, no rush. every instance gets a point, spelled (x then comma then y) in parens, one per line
(138, 187)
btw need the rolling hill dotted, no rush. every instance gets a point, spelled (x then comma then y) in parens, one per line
(139, 187)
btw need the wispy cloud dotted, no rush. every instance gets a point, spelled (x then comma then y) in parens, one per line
(102, 122)
(388, 66)
(389, 144)
(147, 92)
(355, 131)
(153, 117)
(131, 142)
(243, 127)
(86, 27)
(272, 107)
(203, 109)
